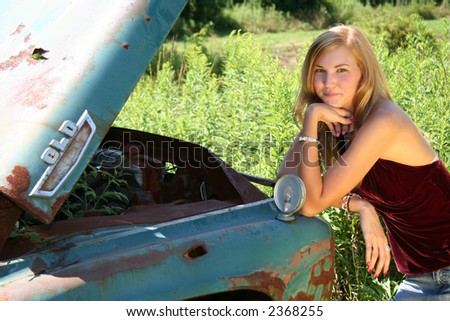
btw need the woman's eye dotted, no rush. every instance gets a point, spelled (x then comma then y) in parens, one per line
(341, 70)
(320, 70)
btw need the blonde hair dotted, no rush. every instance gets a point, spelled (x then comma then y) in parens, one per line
(373, 84)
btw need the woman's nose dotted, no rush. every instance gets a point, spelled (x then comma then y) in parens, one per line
(329, 79)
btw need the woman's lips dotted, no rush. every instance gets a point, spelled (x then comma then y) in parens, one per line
(331, 95)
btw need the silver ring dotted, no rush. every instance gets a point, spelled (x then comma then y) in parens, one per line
(387, 248)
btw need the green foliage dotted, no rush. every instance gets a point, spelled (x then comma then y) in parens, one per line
(324, 14)
(253, 17)
(279, 15)
(22, 230)
(394, 25)
(84, 198)
(244, 116)
(197, 14)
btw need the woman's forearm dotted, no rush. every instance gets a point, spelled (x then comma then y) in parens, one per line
(309, 168)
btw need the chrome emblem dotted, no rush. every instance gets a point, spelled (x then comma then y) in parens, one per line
(63, 155)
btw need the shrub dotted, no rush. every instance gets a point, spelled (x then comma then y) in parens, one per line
(393, 25)
(254, 18)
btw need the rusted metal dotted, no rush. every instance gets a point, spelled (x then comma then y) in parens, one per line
(307, 276)
(57, 62)
(238, 248)
(8, 218)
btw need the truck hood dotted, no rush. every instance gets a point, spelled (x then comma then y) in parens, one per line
(67, 68)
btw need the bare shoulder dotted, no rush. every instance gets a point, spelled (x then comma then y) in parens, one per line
(403, 141)
(387, 116)
(387, 110)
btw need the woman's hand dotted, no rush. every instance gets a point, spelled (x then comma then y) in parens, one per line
(338, 120)
(378, 255)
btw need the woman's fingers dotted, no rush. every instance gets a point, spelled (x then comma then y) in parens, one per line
(378, 255)
(387, 251)
(333, 115)
(378, 259)
(341, 123)
(338, 129)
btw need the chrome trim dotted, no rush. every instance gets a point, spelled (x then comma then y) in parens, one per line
(53, 154)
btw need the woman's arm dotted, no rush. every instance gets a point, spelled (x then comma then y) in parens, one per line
(370, 142)
(378, 255)
(291, 160)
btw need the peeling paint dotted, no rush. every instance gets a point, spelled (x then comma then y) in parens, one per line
(267, 280)
(18, 30)
(19, 180)
(93, 62)
(27, 38)
(318, 277)
(36, 91)
(16, 60)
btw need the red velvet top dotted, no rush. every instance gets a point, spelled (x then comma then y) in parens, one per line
(414, 202)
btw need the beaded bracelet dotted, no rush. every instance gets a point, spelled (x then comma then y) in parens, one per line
(346, 200)
(308, 139)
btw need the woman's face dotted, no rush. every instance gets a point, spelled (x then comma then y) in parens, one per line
(337, 77)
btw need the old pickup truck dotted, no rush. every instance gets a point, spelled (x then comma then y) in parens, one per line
(180, 224)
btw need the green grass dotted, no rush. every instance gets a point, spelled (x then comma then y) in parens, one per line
(437, 26)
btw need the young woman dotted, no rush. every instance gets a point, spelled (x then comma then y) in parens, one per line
(358, 150)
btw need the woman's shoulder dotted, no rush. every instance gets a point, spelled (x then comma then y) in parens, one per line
(387, 112)
(402, 139)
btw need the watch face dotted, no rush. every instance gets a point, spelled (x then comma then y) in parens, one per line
(289, 194)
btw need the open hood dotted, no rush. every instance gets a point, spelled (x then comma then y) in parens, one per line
(66, 70)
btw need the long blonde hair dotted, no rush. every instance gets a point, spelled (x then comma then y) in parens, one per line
(373, 85)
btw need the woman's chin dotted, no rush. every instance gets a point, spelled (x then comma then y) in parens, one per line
(332, 103)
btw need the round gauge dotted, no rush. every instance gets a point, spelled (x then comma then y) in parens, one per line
(289, 195)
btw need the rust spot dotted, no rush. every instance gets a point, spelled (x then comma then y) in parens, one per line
(314, 249)
(125, 45)
(147, 18)
(19, 180)
(322, 272)
(37, 91)
(58, 203)
(16, 60)
(18, 29)
(272, 284)
(319, 275)
(5, 203)
(27, 38)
